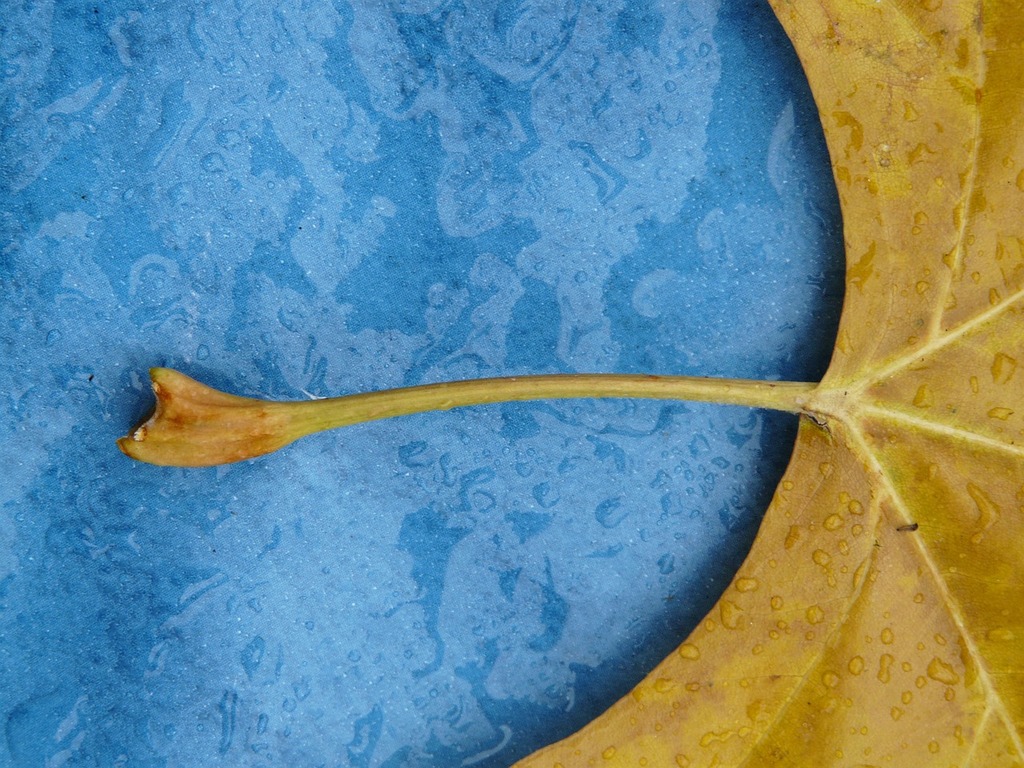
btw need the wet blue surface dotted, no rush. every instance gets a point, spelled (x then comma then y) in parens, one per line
(355, 196)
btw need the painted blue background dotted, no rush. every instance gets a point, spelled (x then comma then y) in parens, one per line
(341, 197)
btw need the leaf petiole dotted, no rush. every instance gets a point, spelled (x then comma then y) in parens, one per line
(194, 425)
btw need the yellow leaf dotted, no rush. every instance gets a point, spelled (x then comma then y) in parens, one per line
(879, 618)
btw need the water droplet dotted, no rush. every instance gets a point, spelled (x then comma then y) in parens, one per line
(933, 747)
(821, 557)
(689, 651)
(815, 615)
(942, 672)
(730, 613)
(924, 398)
(856, 665)
(609, 753)
(906, 697)
(776, 603)
(884, 665)
(887, 636)
(988, 511)
(663, 685)
(747, 585)
(830, 679)
(896, 713)
(1000, 635)
(833, 522)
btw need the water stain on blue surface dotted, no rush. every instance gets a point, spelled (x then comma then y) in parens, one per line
(364, 741)
(252, 655)
(507, 581)
(228, 709)
(270, 546)
(638, 24)
(429, 540)
(737, 119)
(383, 292)
(606, 450)
(476, 499)
(526, 525)
(174, 111)
(414, 455)
(517, 421)
(267, 153)
(610, 512)
(409, 163)
(79, 28)
(533, 328)
(112, 607)
(554, 612)
(544, 495)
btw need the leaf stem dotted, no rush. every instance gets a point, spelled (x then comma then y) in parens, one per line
(195, 425)
(352, 409)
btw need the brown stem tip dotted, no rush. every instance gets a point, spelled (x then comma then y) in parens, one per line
(194, 425)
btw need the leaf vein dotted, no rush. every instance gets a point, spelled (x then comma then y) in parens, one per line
(943, 430)
(935, 327)
(942, 341)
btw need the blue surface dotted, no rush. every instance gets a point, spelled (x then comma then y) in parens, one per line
(357, 196)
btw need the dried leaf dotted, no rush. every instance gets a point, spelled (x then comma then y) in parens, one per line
(879, 618)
